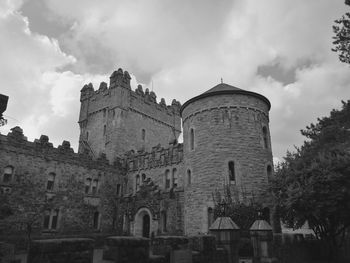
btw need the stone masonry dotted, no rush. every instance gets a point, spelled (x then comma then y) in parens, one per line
(228, 125)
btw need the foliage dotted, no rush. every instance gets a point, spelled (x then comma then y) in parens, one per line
(29, 200)
(243, 213)
(313, 183)
(342, 36)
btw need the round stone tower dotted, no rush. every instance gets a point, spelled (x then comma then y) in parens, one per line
(226, 145)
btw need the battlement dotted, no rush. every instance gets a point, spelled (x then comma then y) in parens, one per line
(158, 157)
(107, 97)
(15, 141)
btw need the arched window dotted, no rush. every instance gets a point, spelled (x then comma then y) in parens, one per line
(137, 187)
(210, 216)
(87, 185)
(94, 186)
(167, 179)
(163, 221)
(143, 134)
(269, 171)
(191, 139)
(174, 177)
(231, 172)
(189, 177)
(8, 173)
(266, 142)
(96, 222)
(50, 181)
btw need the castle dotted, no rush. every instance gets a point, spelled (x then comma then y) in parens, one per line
(163, 187)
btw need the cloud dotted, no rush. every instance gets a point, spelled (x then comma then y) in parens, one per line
(40, 96)
(181, 49)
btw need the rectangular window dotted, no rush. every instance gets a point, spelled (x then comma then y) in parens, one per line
(167, 179)
(174, 178)
(47, 219)
(94, 187)
(231, 169)
(54, 219)
(118, 190)
(96, 220)
(8, 172)
(87, 185)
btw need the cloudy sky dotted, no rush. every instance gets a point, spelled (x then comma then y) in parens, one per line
(280, 48)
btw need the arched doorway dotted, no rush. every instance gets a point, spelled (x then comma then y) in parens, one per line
(145, 225)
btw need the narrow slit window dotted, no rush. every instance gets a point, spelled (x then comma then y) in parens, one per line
(231, 170)
(167, 179)
(269, 171)
(189, 177)
(266, 142)
(175, 179)
(87, 185)
(137, 187)
(192, 139)
(104, 129)
(143, 134)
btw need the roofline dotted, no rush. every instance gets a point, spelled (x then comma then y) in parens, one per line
(223, 92)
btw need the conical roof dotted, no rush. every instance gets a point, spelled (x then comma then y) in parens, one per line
(221, 89)
(224, 223)
(260, 225)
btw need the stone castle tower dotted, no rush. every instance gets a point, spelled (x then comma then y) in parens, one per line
(226, 142)
(116, 119)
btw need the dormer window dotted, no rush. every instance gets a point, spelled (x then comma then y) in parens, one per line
(50, 181)
(8, 173)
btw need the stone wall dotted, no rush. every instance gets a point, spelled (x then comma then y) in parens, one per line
(226, 128)
(112, 119)
(37, 161)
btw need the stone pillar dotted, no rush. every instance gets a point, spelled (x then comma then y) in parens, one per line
(227, 235)
(66, 250)
(261, 237)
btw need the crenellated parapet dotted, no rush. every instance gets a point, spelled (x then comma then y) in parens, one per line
(15, 141)
(150, 98)
(158, 157)
(105, 98)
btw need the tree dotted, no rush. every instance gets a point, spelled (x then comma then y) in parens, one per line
(313, 183)
(242, 212)
(342, 36)
(26, 205)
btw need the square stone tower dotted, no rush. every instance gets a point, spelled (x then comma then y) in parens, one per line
(114, 120)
